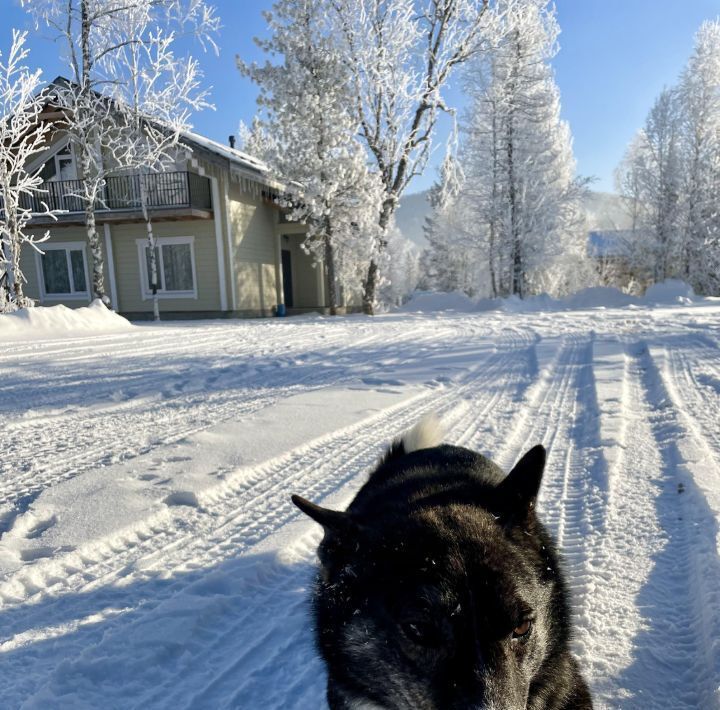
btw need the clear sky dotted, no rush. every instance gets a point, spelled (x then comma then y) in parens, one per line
(615, 57)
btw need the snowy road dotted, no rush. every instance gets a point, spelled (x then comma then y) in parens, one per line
(150, 556)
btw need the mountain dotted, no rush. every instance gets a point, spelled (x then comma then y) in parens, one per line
(605, 212)
(410, 216)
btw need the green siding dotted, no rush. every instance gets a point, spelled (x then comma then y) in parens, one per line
(127, 266)
(253, 230)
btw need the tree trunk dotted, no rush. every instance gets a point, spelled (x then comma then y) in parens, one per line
(493, 205)
(98, 285)
(98, 278)
(371, 280)
(151, 246)
(331, 276)
(518, 275)
(14, 284)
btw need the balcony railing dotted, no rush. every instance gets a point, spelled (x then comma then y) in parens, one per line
(122, 192)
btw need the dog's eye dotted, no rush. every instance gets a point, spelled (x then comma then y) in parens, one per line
(421, 633)
(522, 630)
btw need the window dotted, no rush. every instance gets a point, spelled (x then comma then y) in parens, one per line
(63, 270)
(60, 166)
(175, 259)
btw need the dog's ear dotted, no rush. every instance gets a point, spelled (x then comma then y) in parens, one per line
(334, 521)
(518, 492)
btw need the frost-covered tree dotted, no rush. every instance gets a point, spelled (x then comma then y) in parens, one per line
(518, 209)
(453, 259)
(155, 93)
(23, 134)
(651, 178)
(403, 267)
(670, 176)
(402, 53)
(83, 29)
(306, 130)
(699, 98)
(88, 32)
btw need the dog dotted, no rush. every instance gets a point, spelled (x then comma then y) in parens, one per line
(439, 589)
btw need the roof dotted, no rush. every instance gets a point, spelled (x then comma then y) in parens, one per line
(245, 162)
(612, 242)
(234, 156)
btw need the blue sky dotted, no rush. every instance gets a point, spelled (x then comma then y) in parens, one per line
(615, 57)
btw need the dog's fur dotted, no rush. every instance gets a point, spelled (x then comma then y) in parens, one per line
(440, 590)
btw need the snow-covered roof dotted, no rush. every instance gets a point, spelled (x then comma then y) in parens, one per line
(237, 157)
(613, 242)
(233, 155)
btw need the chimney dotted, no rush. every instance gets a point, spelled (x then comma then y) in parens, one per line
(231, 140)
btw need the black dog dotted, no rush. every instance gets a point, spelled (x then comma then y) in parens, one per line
(440, 590)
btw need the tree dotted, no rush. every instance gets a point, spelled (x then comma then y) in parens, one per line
(22, 135)
(154, 94)
(452, 260)
(651, 178)
(518, 208)
(670, 175)
(93, 46)
(306, 131)
(699, 100)
(402, 53)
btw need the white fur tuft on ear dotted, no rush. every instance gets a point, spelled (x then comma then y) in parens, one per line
(428, 432)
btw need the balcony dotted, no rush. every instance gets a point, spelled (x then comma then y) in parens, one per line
(173, 195)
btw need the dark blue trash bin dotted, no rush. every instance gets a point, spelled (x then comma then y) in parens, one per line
(280, 309)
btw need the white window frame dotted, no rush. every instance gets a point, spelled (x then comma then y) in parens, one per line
(145, 292)
(73, 295)
(66, 151)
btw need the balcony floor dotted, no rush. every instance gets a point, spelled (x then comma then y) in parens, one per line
(158, 214)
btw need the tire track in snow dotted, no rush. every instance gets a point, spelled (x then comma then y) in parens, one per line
(675, 592)
(542, 404)
(103, 438)
(621, 562)
(311, 477)
(562, 412)
(237, 686)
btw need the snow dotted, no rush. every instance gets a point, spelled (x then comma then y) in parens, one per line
(60, 321)
(149, 552)
(231, 154)
(668, 292)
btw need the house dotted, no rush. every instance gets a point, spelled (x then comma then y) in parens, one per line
(615, 254)
(224, 246)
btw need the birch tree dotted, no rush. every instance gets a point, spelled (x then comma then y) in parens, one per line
(155, 93)
(306, 131)
(83, 29)
(23, 134)
(402, 53)
(87, 30)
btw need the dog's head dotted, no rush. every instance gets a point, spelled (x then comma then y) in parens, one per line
(438, 597)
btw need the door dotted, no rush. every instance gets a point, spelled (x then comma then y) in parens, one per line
(287, 278)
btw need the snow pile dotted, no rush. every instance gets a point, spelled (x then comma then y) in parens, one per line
(430, 301)
(671, 292)
(598, 297)
(53, 321)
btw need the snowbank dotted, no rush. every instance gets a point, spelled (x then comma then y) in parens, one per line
(670, 292)
(58, 321)
(430, 301)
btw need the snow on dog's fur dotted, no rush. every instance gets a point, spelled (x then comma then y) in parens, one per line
(439, 588)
